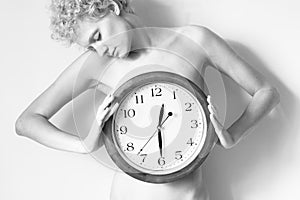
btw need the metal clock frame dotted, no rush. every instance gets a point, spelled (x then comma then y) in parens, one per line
(137, 82)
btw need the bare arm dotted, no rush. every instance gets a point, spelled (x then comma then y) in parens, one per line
(34, 121)
(264, 96)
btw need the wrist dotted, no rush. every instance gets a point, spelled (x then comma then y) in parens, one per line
(90, 143)
(225, 139)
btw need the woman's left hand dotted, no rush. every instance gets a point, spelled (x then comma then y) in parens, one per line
(225, 139)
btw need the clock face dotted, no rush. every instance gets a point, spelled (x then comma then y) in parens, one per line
(183, 126)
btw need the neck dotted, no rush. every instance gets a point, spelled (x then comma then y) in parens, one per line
(141, 37)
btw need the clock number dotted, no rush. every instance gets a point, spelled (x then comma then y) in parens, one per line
(144, 157)
(130, 146)
(123, 130)
(157, 92)
(188, 106)
(161, 161)
(139, 99)
(178, 155)
(194, 123)
(190, 142)
(130, 113)
(174, 95)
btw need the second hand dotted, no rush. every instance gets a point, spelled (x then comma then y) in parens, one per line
(169, 114)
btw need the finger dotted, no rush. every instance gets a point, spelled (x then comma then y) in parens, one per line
(215, 110)
(101, 115)
(108, 99)
(225, 139)
(104, 107)
(209, 99)
(212, 110)
(106, 102)
(216, 124)
(111, 112)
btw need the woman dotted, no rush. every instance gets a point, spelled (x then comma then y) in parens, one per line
(114, 35)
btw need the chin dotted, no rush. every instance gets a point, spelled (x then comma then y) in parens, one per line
(123, 54)
(124, 51)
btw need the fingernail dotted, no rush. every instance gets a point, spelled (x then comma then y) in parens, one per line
(209, 107)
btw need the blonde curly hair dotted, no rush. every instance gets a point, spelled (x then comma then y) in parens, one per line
(64, 14)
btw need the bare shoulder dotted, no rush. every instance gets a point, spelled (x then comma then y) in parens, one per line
(82, 71)
(90, 65)
(224, 58)
(202, 35)
(62, 90)
(192, 30)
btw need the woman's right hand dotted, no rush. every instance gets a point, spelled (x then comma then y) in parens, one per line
(104, 112)
(34, 121)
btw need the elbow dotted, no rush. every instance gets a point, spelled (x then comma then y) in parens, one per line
(274, 95)
(271, 94)
(19, 126)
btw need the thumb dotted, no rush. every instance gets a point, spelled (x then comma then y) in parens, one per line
(216, 124)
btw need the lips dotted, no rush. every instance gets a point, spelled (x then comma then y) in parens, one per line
(114, 52)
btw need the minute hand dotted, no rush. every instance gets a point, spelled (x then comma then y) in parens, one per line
(169, 114)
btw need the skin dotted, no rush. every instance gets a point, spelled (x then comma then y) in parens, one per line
(34, 121)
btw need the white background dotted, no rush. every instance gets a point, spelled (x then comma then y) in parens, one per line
(263, 166)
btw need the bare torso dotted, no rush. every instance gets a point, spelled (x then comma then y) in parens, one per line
(190, 187)
(178, 54)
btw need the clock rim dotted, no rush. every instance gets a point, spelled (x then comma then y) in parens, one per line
(187, 161)
(148, 78)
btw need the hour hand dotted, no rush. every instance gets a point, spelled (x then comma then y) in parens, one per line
(160, 141)
(161, 114)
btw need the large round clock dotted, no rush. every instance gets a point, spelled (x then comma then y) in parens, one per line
(161, 130)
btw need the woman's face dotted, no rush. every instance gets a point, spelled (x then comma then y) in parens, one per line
(109, 35)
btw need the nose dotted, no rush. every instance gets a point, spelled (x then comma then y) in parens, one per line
(103, 48)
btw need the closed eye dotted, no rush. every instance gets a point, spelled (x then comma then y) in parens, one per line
(97, 36)
(94, 37)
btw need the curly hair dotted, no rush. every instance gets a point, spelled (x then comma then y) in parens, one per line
(64, 14)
